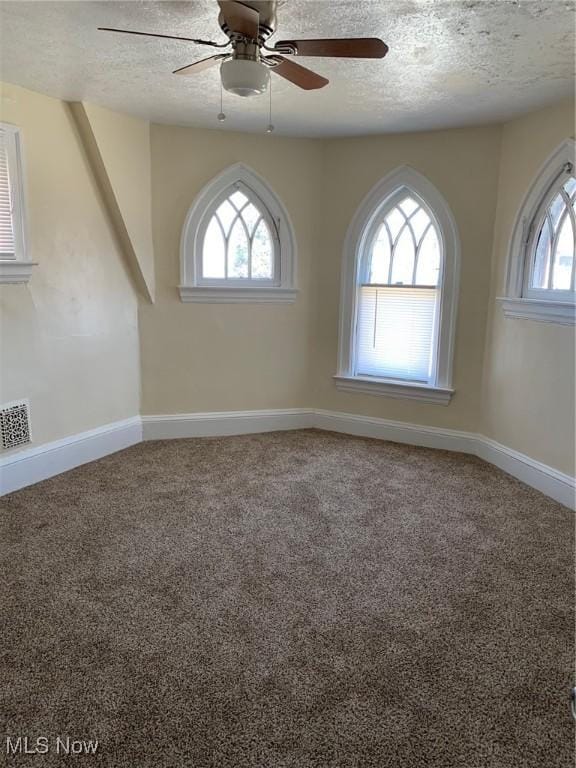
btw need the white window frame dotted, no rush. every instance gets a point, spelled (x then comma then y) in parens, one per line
(194, 287)
(16, 269)
(403, 180)
(520, 301)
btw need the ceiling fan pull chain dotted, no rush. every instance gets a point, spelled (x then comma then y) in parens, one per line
(270, 127)
(221, 116)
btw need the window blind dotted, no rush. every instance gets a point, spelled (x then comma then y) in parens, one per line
(7, 243)
(395, 332)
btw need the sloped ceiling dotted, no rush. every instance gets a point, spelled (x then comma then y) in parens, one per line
(118, 147)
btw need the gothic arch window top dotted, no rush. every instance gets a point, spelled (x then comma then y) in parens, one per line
(238, 244)
(541, 279)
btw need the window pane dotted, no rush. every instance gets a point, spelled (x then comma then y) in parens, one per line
(213, 251)
(408, 205)
(403, 258)
(554, 251)
(428, 268)
(226, 214)
(7, 241)
(419, 222)
(395, 221)
(262, 253)
(238, 251)
(395, 332)
(412, 235)
(556, 209)
(250, 214)
(563, 257)
(380, 259)
(570, 186)
(542, 258)
(238, 199)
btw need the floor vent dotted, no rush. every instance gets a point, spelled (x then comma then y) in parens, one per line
(14, 424)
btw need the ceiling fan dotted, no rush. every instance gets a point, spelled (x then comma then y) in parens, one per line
(245, 69)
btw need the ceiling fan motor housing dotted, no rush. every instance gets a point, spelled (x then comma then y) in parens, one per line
(266, 23)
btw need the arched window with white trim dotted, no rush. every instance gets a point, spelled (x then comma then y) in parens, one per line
(399, 292)
(541, 283)
(237, 243)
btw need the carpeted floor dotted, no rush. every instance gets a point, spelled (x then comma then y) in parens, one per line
(288, 600)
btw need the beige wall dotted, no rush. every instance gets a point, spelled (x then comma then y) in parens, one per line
(199, 357)
(529, 366)
(463, 165)
(220, 357)
(69, 338)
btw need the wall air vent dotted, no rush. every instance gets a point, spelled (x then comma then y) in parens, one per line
(14, 424)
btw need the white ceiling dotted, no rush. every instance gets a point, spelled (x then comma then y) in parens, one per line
(451, 62)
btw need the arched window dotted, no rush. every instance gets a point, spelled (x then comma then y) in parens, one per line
(240, 241)
(237, 243)
(399, 292)
(551, 250)
(542, 261)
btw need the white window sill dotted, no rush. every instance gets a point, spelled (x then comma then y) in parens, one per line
(560, 312)
(388, 388)
(15, 271)
(252, 295)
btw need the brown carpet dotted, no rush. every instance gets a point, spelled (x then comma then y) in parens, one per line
(288, 600)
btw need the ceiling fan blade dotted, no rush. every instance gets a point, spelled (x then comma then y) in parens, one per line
(199, 66)
(297, 74)
(240, 18)
(166, 37)
(353, 48)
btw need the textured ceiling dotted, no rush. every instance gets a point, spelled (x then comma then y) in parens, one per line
(451, 62)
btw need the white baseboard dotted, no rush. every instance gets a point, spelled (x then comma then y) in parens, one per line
(29, 466)
(397, 431)
(21, 468)
(557, 485)
(224, 423)
(550, 481)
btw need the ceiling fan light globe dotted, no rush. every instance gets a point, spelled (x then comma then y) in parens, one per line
(244, 77)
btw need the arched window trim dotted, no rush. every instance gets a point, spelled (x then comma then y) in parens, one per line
(530, 304)
(193, 287)
(399, 182)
